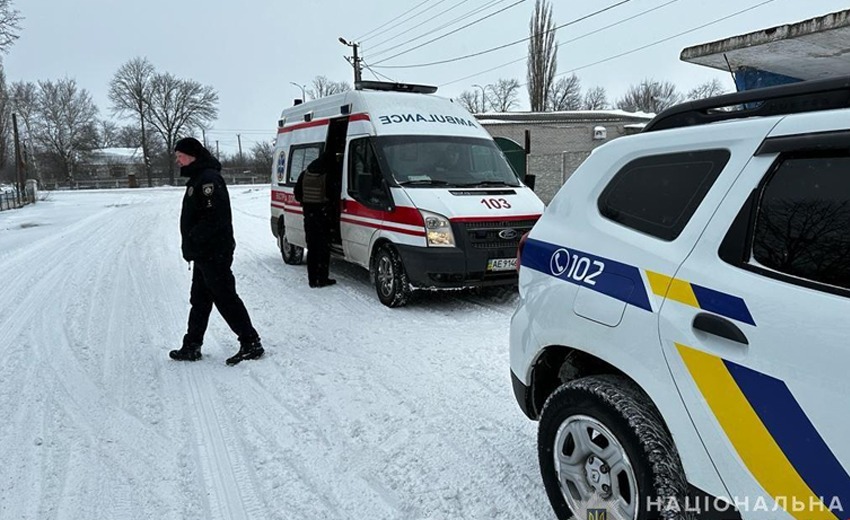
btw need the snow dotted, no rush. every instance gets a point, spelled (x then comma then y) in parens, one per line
(357, 411)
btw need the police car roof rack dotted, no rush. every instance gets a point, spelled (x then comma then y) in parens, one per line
(804, 96)
(394, 87)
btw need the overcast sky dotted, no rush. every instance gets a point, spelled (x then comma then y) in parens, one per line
(251, 50)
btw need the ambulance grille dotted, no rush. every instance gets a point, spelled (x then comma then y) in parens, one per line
(489, 234)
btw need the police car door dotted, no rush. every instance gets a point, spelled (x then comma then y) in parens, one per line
(757, 332)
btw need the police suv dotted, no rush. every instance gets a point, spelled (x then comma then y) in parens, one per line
(683, 327)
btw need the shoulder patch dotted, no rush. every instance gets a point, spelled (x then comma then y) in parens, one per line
(208, 189)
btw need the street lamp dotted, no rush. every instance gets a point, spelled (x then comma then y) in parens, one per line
(483, 98)
(354, 60)
(303, 98)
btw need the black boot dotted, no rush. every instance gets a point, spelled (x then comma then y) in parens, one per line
(247, 350)
(188, 352)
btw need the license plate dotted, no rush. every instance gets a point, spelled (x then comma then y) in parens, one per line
(501, 264)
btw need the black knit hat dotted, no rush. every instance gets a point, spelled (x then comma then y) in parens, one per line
(191, 146)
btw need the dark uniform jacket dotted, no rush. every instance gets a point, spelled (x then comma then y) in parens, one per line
(205, 222)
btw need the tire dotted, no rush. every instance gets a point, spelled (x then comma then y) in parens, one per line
(292, 254)
(629, 450)
(391, 280)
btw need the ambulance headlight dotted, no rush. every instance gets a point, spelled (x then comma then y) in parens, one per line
(438, 230)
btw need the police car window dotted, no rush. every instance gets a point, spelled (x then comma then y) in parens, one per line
(803, 220)
(659, 194)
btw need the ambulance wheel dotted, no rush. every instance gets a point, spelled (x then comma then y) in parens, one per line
(292, 255)
(390, 278)
(603, 445)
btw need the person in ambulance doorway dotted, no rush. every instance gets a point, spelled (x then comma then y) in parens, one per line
(206, 228)
(316, 191)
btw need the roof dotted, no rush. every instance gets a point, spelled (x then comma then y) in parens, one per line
(811, 49)
(116, 156)
(566, 117)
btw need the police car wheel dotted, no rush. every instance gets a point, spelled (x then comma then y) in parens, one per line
(391, 280)
(292, 255)
(602, 445)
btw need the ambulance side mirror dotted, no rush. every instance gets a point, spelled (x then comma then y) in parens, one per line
(529, 181)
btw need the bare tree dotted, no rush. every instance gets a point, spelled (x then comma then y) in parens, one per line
(706, 90)
(542, 56)
(504, 94)
(179, 106)
(9, 25)
(595, 98)
(322, 87)
(107, 134)
(23, 100)
(650, 96)
(130, 92)
(65, 122)
(5, 121)
(262, 156)
(471, 101)
(566, 94)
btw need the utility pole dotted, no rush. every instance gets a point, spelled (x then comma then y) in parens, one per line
(355, 60)
(19, 163)
(239, 139)
(204, 137)
(216, 149)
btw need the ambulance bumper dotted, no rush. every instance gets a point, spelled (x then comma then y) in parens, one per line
(444, 268)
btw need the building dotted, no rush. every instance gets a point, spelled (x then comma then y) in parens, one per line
(560, 141)
(113, 163)
(816, 48)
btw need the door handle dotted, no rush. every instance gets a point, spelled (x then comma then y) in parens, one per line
(718, 326)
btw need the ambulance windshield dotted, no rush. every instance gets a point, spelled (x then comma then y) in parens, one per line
(425, 161)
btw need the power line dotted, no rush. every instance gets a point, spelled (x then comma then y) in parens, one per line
(703, 26)
(452, 32)
(500, 47)
(420, 13)
(460, 18)
(585, 35)
(367, 37)
(376, 74)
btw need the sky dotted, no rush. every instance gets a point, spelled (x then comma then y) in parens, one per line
(356, 410)
(253, 51)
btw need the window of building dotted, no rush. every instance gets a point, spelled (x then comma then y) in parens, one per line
(659, 194)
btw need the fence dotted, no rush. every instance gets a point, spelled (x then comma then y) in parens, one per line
(9, 200)
(142, 181)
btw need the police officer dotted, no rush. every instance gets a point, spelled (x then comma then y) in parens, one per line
(206, 228)
(315, 190)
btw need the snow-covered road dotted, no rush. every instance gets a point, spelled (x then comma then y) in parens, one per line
(357, 411)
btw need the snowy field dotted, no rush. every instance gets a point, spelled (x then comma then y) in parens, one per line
(357, 411)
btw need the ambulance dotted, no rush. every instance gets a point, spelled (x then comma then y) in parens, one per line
(427, 199)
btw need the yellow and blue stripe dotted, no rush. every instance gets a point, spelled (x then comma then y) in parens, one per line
(624, 282)
(770, 432)
(700, 297)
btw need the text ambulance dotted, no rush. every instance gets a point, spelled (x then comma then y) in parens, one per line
(427, 199)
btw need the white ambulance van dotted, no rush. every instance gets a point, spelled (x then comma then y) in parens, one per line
(427, 199)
